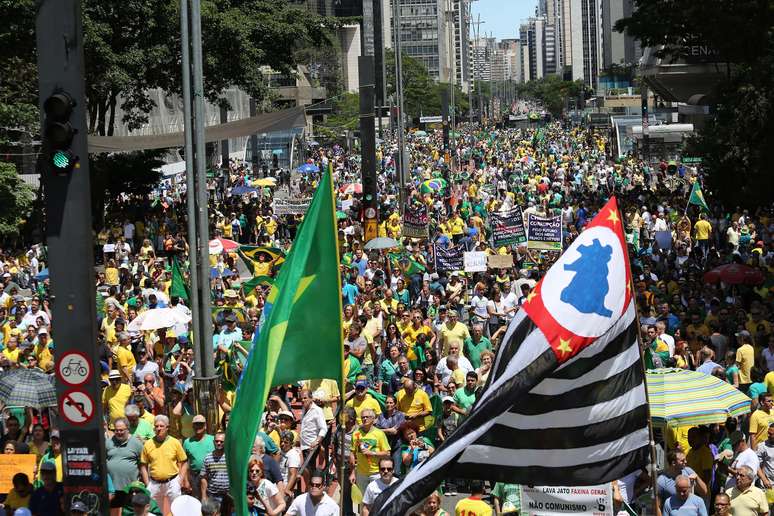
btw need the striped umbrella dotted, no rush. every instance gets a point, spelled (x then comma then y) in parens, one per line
(679, 397)
(27, 388)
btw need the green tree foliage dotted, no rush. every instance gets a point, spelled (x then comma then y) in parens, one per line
(16, 199)
(736, 143)
(551, 91)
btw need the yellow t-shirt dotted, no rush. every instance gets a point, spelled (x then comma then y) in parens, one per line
(111, 276)
(678, 435)
(331, 390)
(374, 440)
(472, 506)
(368, 402)
(411, 405)
(745, 357)
(457, 334)
(700, 459)
(768, 381)
(410, 335)
(125, 358)
(702, 229)
(12, 354)
(16, 501)
(116, 399)
(162, 458)
(759, 425)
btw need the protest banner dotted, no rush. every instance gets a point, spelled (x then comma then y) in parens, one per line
(290, 206)
(555, 501)
(475, 261)
(415, 222)
(507, 227)
(544, 233)
(12, 464)
(500, 261)
(449, 258)
(664, 239)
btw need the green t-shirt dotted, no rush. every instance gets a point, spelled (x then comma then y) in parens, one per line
(509, 496)
(197, 450)
(143, 431)
(463, 398)
(473, 351)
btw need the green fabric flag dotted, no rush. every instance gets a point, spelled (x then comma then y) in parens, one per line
(697, 197)
(251, 284)
(300, 337)
(178, 287)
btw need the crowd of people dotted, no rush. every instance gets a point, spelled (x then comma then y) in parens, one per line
(418, 342)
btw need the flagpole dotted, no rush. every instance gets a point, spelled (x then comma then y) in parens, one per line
(342, 388)
(652, 440)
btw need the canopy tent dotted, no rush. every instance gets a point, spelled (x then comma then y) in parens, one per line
(264, 123)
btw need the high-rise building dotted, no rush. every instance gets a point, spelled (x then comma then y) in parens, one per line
(532, 37)
(511, 59)
(585, 44)
(617, 47)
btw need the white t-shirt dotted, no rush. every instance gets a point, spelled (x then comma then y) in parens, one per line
(747, 458)
(291, 459)
(303, 506)
(374, 489)
(478, 303)
(266, 489)
(150, 367)
(769, 357)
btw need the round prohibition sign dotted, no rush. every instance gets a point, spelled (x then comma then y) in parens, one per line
(74, 368)
(76, 407)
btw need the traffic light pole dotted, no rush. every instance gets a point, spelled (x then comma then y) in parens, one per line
(67, 192)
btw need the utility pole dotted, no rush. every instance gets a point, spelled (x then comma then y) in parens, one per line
(368, 147)
(190, 183)
(452, 81)
(401, 162)
(64, 168)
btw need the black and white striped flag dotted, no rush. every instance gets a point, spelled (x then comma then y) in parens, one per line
(565, 401)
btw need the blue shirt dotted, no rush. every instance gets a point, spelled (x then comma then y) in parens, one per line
(666, 484)
(693, 506)
(708, 367)
(349, 292)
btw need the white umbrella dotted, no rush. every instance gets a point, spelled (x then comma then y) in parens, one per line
(381, 243)
(158, 318)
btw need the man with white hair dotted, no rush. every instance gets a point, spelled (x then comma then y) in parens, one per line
(746, 499)
(164, 464)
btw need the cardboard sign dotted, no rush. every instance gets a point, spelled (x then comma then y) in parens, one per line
(544, 233)
(475, 261)
(579, 501)
(13, 464)
(500, 261)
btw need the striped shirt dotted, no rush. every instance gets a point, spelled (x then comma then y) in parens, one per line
(214, 470)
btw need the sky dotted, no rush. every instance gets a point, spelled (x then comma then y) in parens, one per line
(502, 17)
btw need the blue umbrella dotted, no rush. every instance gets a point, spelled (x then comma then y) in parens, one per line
(42, 275)
(241, 190)
(308, 168)
(215, 273)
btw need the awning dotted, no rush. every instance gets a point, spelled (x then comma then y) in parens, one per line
(284, 120)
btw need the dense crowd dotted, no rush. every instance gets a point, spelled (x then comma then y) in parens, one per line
(418, 342)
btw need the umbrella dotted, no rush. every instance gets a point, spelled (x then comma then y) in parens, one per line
(420, 133)
(219, 245)
(680, 397)
(266, 181)
(351, 188)
(158, 318)
(381, 243)
(308, 168)
(216, 273)
(433, 185)
(313, 144)
(12, 285)
(42, 275)
(27, 388)
(735, 274)
(242, 190)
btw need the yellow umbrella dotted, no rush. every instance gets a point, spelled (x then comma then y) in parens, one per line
(267, 181)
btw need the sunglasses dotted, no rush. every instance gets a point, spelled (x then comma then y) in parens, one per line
(316, 484)
(219, 442)
(385, 469)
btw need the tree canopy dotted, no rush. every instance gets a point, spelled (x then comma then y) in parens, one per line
(551, 91)
(16, 199)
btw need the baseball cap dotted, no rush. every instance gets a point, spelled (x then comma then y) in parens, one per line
(230, 293)
(285, 413)
(114, 374)
(743, 333)
(198, 418)
(78, 506)
(319, 395)
(54, 433)
(42, 331)
(361, 383)
(447, 398)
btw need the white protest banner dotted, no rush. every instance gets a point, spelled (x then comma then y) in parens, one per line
(578, 501)
(290, 207)
(475, 261)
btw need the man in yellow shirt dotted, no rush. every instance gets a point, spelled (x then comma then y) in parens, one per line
(369, 445)
(745, 358)
(115, 396)
(415, 404)
(453, 331)
(124, 356)
(163, 464)
(702, 230)
(363, 401)
(760, 420)
(473, 505)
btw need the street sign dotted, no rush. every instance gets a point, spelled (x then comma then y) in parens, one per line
(74, 368)
(76, 407)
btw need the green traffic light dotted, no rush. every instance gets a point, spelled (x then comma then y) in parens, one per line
(61, 159)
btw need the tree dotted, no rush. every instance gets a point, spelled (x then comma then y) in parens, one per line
(736, 141)
(16, 198)
(417, 85)
(552, 92)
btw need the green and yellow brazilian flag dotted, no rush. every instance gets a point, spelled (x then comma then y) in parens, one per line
(300, 337)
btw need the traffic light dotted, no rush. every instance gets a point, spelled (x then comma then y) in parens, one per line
(58, 133)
